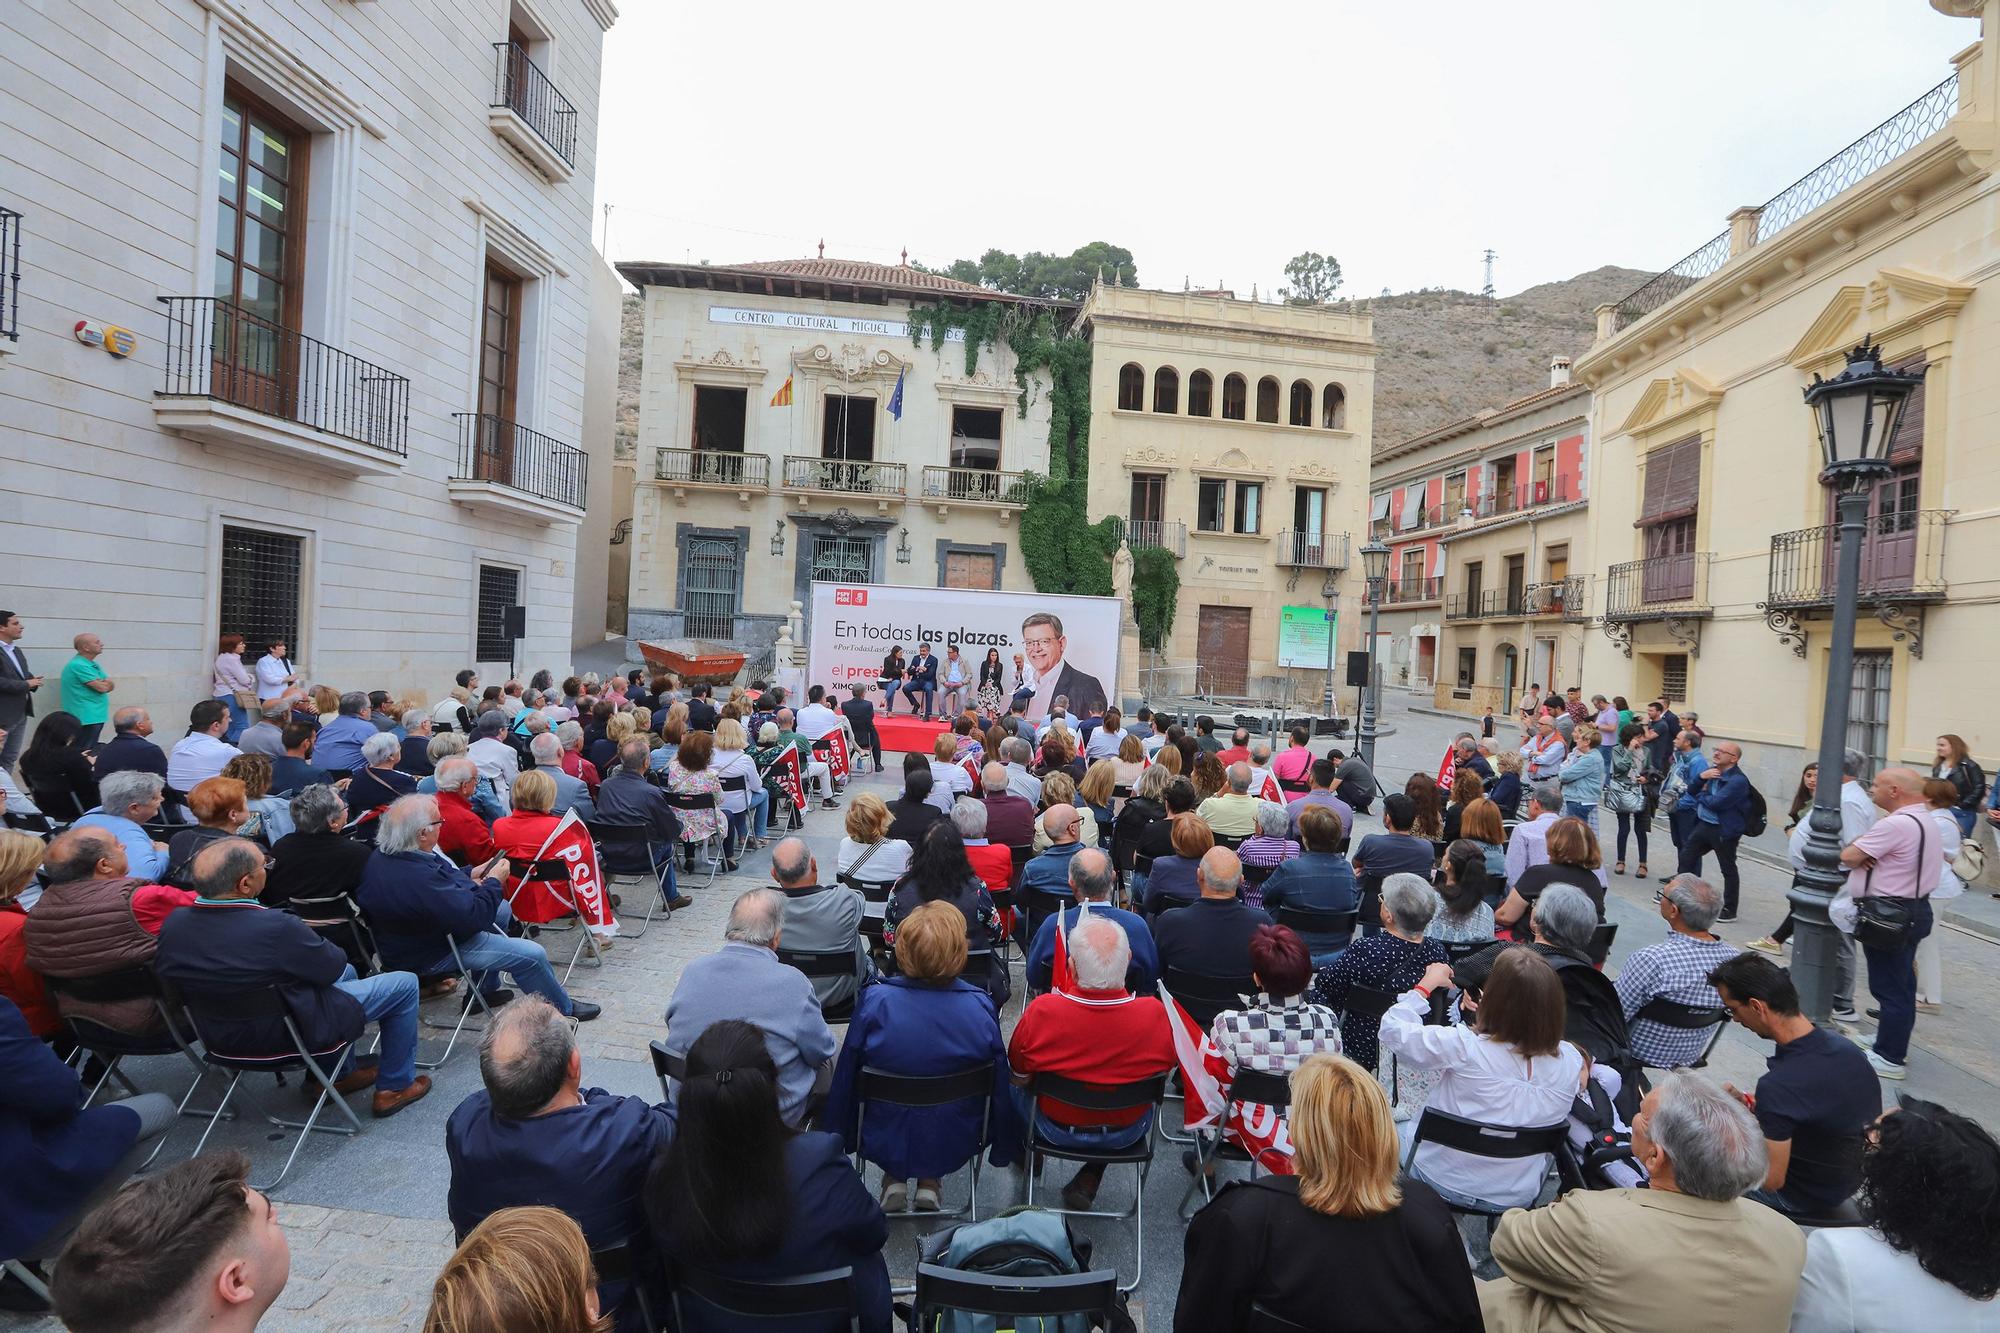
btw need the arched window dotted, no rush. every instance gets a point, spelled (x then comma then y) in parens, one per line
(1235, 397)
(1333, 408)
(1302, 403)
(1166, 390)
(1131, 388)
(1267, 399)
(1201, 394)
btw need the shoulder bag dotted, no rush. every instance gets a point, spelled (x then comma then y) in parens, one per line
(1883, 924)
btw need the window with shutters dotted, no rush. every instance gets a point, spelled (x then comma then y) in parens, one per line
(1673, 483)
(971, 569)
(1674, 678)
(1211, 502)
(499, 588)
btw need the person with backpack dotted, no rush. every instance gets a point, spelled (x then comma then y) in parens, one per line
(1726, 808)
(1957, 766)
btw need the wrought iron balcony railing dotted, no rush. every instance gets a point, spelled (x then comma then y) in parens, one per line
(1527, 495)
(1660, 587)
(1558, 597)
(847, 476)
(974, 485)
(1902, 559)
(1491, 604)
(522, 88)
(714, 467)
(1166, 534)
(1312, 550)
(1412, 590)
(494, 449)
(219, 351)
(10, 275)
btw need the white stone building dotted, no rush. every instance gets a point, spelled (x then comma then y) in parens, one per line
(350, 245)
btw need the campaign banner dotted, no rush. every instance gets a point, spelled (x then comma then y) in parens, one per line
(1048, 646)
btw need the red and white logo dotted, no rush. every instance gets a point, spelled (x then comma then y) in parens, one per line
(850, 596)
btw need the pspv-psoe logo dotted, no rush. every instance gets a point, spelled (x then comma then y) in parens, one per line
(850, 596)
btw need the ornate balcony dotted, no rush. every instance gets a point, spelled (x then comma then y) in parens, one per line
(1560, 597)
(1408, 592)
(1312, 550)
(1166, 534)
(507, 469)
(530, 115)
(1669, 589)
(807, 475)
(713, 470)
(1902, 567)
(1008, 492)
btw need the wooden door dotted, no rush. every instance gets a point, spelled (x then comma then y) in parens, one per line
(499, 376)
(1222, 645)
(259, 248)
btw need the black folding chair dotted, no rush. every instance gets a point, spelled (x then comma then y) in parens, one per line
(1688, 1018)
(553, 871)
(1141, 1093)
(827, 1294)
(1369, 910)
(620, 850)
(1600, 941)
(874, 907)
(736, 783)
(1231, 840)
(1256, 874)
(337, 917)
(469, 997)
(830, 963)
(667, 1067)
(1367, 1002)
(711, 846)
(111, 1046)
(1011, 1302)
(1499, 1142)
(1318, 921)
(1249, 1087)
(886, 1089)
(1457, 951)
(617, 1263)
(1205, 996)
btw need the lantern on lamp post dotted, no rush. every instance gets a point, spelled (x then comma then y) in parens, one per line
(1375, 569)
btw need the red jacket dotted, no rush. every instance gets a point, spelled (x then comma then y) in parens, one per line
(19, 982)
(993, 863)
(574, 764)
(1096, 1037)
(464, 837)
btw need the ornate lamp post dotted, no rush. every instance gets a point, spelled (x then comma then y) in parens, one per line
(1856, 414)
(1375, 566)
(1330, 589)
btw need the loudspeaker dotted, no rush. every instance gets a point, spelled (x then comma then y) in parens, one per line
(1357, 668)
(514, 622)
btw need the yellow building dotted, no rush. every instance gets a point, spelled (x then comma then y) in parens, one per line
(1708, 522)
(1235, 434)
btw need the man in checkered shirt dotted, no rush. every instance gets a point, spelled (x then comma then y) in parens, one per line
(1677, 968)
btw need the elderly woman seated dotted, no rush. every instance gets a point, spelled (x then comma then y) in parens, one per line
(223, 809)
(1563, 924)
(992, 862)
(1390, 961)
(270, 816)
(1266, 849)
(126, 800)
(1171, 883)
(926, 1022)
(379, 782)
(868, 854)
(520, 837)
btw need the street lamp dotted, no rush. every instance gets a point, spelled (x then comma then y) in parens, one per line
(1856, 414)
(1375, 567)
(1329, 588)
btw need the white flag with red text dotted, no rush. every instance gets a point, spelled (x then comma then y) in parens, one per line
(1258, 1130)
(569, 841)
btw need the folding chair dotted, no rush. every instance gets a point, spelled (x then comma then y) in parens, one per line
(112, 1046)
(1457, 951)
(1318, 921)
(1231, 840)
(713, 844)
(1249, 1087)
(874, 909)
(1011, 1302)
(554, 871)
(620, 849)
(1689, 1018)
(336, 917)
(1600, 942)
(617, 1263)
(1205, 996)
(667, 1067)
(468, 996)
(831, 963)
(881, 1087)
(736, 783)
(1366, 1002)
(207, 1007)
(1369, 911)
(1498, 1142)
(1142, 1093)
(827, 1294)
(1007, 903)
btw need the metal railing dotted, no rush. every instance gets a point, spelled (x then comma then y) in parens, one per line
(848, 476)
(1658, 587)
(975, 485)
(1527, 495)
(1312, 550)
(1491, 604)
(495, 449)
(1412, 590)
(1167, 534)
(526, 91)
(222, 352)
(713, 467)
(1558, 597)
(1902, 558)
(10, 275)
(1872, 151)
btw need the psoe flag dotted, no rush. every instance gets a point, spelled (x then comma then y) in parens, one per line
(896, 398)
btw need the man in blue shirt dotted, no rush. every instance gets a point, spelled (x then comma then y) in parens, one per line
(338, 747)
(1045, 879)
(1721, 797)
(1091, 881)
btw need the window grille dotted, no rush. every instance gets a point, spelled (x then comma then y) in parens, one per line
(499, 588)
(261, 573)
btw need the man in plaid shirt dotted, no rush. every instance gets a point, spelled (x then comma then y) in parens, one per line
(1676, 968)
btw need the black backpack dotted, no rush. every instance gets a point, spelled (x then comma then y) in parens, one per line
(1758, 819)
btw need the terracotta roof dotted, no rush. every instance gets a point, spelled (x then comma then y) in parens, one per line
(1478, 419)
(857, 270)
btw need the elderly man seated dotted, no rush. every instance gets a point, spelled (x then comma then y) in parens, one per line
(1593, 1258)
(126, 800)
(535, 1135)
(1094, 1032)
(464, 835)
(267, 735)
(227, 941)
(1091, 882)
(417, 738)
(1010, 819)
(1211, 936)
(1232, 814)
(744, 980)
(419, 904)
(129, 746)
(378, 782)
(1045, 879)
(571, 736)
(339, 747)
(1675, 969)
(820, 918)
(625, 799)
(571, 793)
(1019, 753)
(96, 919)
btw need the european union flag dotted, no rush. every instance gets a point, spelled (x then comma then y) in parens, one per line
(896, 398)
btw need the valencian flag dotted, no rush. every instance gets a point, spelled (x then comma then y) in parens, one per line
(896, 398)
(547, 900)
(1259, 1130)
(783, 397)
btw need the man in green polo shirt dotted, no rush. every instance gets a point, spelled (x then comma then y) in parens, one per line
(86, 690)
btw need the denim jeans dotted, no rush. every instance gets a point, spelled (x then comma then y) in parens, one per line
(238, 719)
(389, 999)
(523, 960)
(1892, 980)
(1968, 820)
(1085, 1137)
(1579, 810)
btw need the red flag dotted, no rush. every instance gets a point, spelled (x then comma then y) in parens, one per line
(972, 771)
(785, 768)
(1258, 1130)
(836, 759)
(1448, 767)
(545, 900)
(1272, 791)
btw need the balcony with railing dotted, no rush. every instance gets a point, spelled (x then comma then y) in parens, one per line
(1492, 604)
(237, 379)
(10, 275)
(1006, 491)
(530, 115)
(507, 469)
(713, 469)
(1902, 560)
(1410, 592)
(1661, 587)
(1312, 550)
(1520, 498)
(1557, 597)
(809, 474)
(1165, 534)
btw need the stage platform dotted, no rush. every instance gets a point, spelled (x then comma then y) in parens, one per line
(905, 733)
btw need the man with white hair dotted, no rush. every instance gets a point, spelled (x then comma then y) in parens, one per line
(267, 735)
(1593, 1258)
(1019, 754)
(744, 980)
(125, 801)
(1094, 1032)
(571, 794)
(1675, 969)
(573, 762)
(1530, 844)
(464, 835)
(1232, 814)
(417, 732)
(1260, 765)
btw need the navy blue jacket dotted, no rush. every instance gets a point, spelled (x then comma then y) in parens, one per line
(1045, 879)
(415, 900)
(291, 775)
(131, 753)
(55, 1151)
(416, 760)
(1142, 974)
(1318, 882)
(219, 946)
(1726, 797)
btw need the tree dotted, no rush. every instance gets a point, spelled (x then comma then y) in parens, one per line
(1315, 278)
(1050, 277)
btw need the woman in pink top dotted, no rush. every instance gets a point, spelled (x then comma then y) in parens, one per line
(230, 676)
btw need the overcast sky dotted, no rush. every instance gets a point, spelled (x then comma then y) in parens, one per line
(1216, 142)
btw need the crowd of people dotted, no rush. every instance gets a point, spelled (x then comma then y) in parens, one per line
(1030, 916)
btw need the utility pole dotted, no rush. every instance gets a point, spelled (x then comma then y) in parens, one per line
(1490, 257)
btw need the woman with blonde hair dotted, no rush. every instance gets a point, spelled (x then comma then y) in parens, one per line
(270, 816)
(327, 700)
(1168, 758)
(1095, 789)
(1130, 763)
(522, 1270)
(868, 853)
(749, 810)
(20, 858)
(1059, 788)
(1402, 1262)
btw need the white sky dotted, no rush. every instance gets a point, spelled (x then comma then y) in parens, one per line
(1402, 138)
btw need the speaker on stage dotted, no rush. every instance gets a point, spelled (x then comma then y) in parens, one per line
(1357, 668)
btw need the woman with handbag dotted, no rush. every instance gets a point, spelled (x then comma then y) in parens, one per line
(1625, 791)
(1903, 858)
(234, 685)
(1963, 861)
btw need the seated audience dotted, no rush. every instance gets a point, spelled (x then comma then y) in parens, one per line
(1573, 859)
(1173, 880)
(912, 813)
(868, 853)
(1232, 813)
(1091, 882)
(1318, 879)
(270, 816)
(927, 1021)
(859, 711)
(1929, 1257)
(201, 753)
(1528, 845)
(420, 904)
(1463, 916)
(1320, 781)
(223, 807)
(1396, 851)
(689, 773)
(1389, 961)
(1156, 839)
(533, 1134)
(418, 734)
(1094, 1033)
(571, 736)
(497, 761)
(1095, 793)
(55, 768)
(128, 799)
(948, 777)
(942, 871)
(1060, 789)
(1045, 879)
(294, 770)
(820, 919)
(1019, 754)
(1280, 1028)
(1591, 1259)
(1265, 1242)
(1511, 1069)
(316, 859)
(525, 1270)
(1010, 819)
(1211, 936)
(190, 1246)
(1145, 807)
(992, 862)
(749, 810)
(1465, 789)
(1271, 845)
(1130, 761)
(1593, 1018)
(571, 793)
(1480, 824)
(1815, 1102)
(1505, 793)
(341, 739)
(228, 941)
(742, 1193)
(1677, 968)
(96, 919)
(625, 799)
(20, 857)
(464, 835)
(744, 981)
(520, 838)
(129, 747)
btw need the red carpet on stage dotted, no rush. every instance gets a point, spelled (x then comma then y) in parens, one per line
(902, 732)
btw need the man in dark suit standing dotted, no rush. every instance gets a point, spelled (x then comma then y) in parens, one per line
(923, 678)
(1042, 636)
(17, 688)
(860, 714)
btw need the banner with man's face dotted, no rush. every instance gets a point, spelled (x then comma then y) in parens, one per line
(1049, 648)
